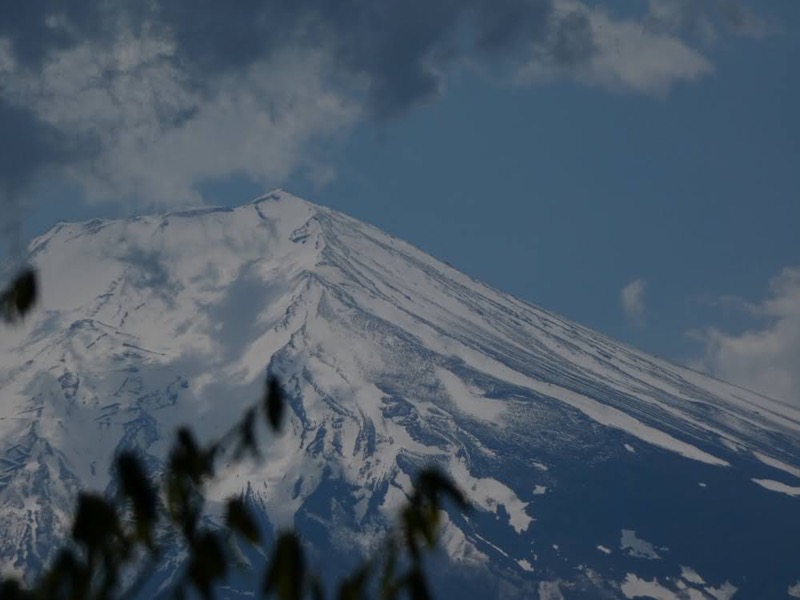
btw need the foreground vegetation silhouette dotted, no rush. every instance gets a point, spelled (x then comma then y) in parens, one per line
(115, 543)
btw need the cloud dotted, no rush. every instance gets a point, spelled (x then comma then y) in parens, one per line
(30, 146)
(765, 359)
(632, 299)
(142, 129)
(619, 54)
(705, 19)
(145, 101)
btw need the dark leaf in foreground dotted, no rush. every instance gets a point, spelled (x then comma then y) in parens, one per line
(286, 573)
(388, 583)
(274, 403)
(355, 586)
(20, 296)
(10, 590)
(188, 458)
(247, 435)
(96, 523)
(317, 592)
(208, 563)
(65, 574)
(137, 488)
(417, 586)
(411, 521)
(432, 483)
(238, 519)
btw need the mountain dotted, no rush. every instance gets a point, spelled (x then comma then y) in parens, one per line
(595, 470)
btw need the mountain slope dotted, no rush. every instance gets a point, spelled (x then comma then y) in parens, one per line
(596, 470)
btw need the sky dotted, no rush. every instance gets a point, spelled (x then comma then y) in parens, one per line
(631, 165)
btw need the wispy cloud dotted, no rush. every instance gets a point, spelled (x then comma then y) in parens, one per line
(632, 298)
(765, 359)
(594, 48)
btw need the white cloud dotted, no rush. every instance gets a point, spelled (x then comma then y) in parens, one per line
(764, 359)
(794, 590)
(626, 56)
(160, 134)
(7, 62)
(632, 298)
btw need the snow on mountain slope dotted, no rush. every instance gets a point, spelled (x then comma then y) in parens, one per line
(595, 470)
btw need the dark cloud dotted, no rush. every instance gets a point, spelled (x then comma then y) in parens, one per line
(573, 41)
(704, 18)
(215, 36)
(399, 52)
(140, 79)
(399, 46)
(740, 19)
(25, 25)
(505, 26)
(37, 29)
(396, 44)
(27, 145)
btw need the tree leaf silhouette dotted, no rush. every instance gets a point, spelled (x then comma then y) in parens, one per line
(20, 296)
(239, 519)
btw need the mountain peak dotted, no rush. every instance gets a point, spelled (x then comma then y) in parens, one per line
(278, 194)
(565, 440)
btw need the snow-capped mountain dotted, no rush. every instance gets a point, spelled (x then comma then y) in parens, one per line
(595, 470)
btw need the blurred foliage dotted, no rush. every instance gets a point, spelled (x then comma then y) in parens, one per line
(114, 546)
(20, 296)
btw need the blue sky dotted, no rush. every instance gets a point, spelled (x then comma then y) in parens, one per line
(653, 145)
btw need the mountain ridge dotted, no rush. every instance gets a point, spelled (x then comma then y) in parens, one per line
(391, 359)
